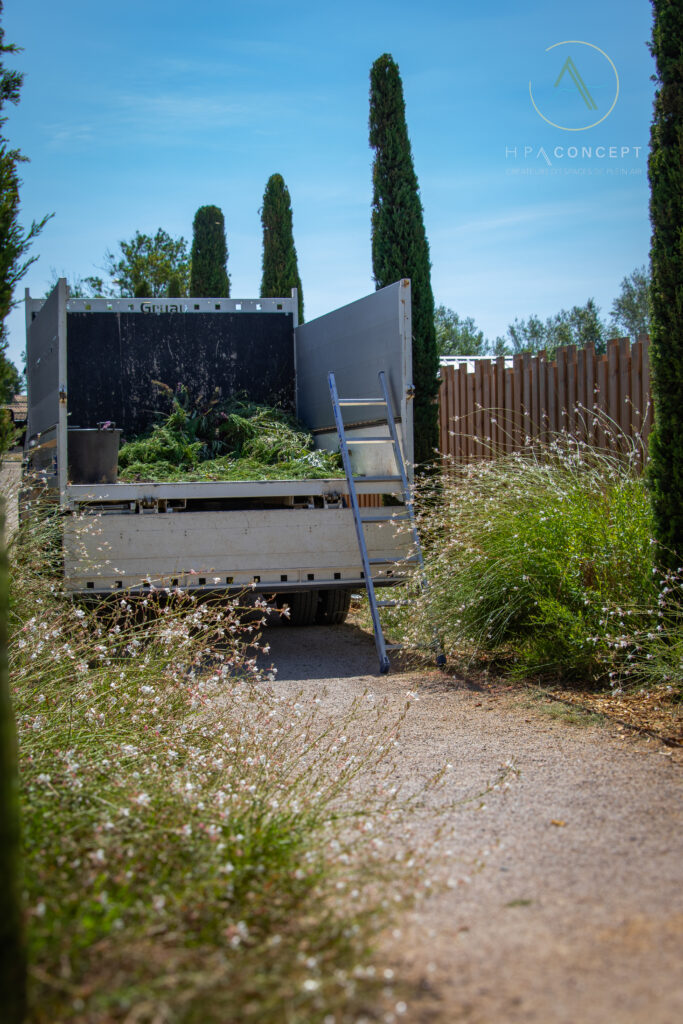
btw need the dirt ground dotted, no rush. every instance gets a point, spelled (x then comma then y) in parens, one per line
(564, 900)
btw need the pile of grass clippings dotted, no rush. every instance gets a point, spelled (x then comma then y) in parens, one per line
(225, 440)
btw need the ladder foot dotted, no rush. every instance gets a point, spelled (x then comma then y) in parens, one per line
(441, 660)
(384, 665)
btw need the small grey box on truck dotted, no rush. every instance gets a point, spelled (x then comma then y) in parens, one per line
(95, 360)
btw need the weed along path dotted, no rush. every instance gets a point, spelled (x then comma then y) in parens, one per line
(559, 898)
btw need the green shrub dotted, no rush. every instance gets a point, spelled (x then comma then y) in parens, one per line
(544, 561)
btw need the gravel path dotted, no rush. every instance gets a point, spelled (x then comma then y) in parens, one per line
(567, 888)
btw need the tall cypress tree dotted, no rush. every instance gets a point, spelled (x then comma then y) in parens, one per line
(666, 328)
(280, 267)
(208, 275)
(399, 242)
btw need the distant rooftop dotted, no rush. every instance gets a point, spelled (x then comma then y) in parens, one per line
(18, 407)
(469, 361)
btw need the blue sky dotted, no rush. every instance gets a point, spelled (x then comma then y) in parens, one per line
(136, 114)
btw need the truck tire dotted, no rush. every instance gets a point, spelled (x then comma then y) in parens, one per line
(303, 606)
(334, 607)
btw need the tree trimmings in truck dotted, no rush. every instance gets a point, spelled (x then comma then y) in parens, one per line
(224, 440)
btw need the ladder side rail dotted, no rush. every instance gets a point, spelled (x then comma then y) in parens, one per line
(407, 491)
(360, 534)
(410, 505)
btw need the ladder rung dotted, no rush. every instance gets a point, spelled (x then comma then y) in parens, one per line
(386, 517)
(362, 401)
(376, 479)
(368, 440)
(393, 647)
(393, 561)
(392, 604)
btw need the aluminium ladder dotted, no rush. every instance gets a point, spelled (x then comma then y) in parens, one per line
(405, 513)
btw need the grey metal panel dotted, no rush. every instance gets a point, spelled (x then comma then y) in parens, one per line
(42, 365)
(303, 545)
(156, 306)
(356, 342)
(232, 489)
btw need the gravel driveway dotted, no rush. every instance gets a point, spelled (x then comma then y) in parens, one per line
(566, 898)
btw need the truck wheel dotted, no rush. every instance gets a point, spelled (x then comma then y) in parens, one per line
(303, 606)
(334, 607)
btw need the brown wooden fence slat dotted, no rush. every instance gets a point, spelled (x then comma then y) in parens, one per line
(571, 390)
(443, 434)
(561, 363)
(509, 395)
(450, 400)
(517, 390)
(612, 408)
(602, 401)
(526, 396)
(542, 401)
(479, 449)
(487, 403)
(580, 426)
(589, 399)
(636, 400)
(471, 420)
(624, 419)
(646, 400)
(461, 423)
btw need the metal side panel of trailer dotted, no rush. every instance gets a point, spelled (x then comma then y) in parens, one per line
(275, 550)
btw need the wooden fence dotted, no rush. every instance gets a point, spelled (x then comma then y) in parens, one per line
(600, 399)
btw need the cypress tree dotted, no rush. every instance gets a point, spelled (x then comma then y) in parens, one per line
(280, 268)
(175, 287)
(209, 276)
(666, 329)
(399, 242)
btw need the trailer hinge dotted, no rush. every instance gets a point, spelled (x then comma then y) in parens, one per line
(149, 504)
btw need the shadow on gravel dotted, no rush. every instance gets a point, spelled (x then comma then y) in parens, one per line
(320, 652)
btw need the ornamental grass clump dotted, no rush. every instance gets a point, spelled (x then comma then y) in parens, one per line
(542, 561)
(196, 846)
(232, 440)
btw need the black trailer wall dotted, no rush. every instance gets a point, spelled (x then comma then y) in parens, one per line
(114, 358)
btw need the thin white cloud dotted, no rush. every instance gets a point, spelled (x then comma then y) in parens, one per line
(62, 133)
(525, 215)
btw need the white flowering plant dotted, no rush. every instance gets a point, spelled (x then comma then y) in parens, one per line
(542, 562)
(197, 846)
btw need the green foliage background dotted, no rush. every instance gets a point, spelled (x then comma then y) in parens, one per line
(149, 265)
